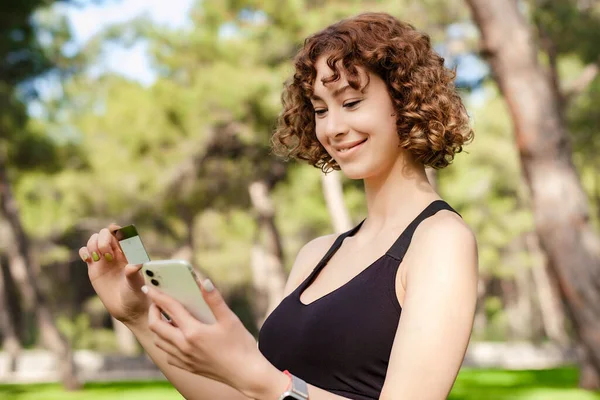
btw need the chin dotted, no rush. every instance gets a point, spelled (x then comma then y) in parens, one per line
(355, 172)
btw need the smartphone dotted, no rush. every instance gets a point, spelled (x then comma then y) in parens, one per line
(178, 279)
(132, 245)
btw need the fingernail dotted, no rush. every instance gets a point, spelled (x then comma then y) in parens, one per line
(95, 256)
(208, 286)
(108, 257)
(86, 256)
(145, 289)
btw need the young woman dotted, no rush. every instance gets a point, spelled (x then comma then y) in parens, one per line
(383, 311)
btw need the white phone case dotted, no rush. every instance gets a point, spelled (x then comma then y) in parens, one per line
(177, 279)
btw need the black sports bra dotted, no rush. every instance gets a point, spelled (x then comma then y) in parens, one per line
(342, 341)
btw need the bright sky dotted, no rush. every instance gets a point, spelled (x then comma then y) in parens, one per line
(89, 20)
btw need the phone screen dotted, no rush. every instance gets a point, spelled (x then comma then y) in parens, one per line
(132, 245)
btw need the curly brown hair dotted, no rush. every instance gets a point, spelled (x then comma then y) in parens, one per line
(432, 122)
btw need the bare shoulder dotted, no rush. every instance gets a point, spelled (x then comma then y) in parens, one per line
(306, 260)
(445, 227)
(443, 243)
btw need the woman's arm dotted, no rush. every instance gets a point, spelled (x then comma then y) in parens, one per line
(224, 351)
(259, 378)
(191, 386)
(197, 387)
(437, 313)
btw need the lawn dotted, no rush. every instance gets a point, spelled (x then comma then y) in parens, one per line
(551, 384)
(472, 384)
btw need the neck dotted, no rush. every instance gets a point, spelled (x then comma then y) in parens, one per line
(399, 194)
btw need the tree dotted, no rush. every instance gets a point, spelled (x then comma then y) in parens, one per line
(51, 337)
(10, 341)
(21, 148)
(560, 204)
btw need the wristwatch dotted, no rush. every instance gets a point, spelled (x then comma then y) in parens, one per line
(297, 389)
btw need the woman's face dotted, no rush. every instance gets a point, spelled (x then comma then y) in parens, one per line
(358, 129)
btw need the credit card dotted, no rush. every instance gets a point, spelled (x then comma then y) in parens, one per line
(131, 244)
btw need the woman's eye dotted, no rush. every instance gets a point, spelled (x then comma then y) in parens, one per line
(352, 104)
(320, 112)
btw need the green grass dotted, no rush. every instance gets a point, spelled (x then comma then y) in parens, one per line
(472, 384)
(550, 384)
(151, 390)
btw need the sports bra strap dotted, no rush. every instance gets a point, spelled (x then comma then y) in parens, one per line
(336, 245)
(399, 248)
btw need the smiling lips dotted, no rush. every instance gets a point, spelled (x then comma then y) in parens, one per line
(349, 147)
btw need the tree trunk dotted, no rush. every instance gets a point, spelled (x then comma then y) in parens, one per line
(126, 340)
(187, 250)
(268, 274)
(12, 297)
(481, 321)
(552, 313)
(10, 339)
(50, 335)
(524, 328)
(559, 202)
(334, 198)
(509, 299)
(18, 271)
(517, 294)
(588, 375)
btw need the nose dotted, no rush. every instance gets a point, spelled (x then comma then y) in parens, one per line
(336, 125)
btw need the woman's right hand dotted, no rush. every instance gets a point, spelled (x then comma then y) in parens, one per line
(117, 283)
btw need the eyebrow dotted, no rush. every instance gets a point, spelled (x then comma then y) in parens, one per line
(336, 93)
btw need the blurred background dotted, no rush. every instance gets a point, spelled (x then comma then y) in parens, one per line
(159, 113)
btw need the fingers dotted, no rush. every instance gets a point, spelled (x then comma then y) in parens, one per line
(162, 328)
(173, 308)
(165, 346)
(131, 270)
(153, 314)
(113, 227)
(174, 361)
(214, 300)
(133, 277)
(106, 245)
(102, 245)
(85, 254)
(92, 246)
(166, 337)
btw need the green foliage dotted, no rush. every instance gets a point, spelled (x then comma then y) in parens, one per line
(496, 328)
(583, 117)
(301, 195)
(225, 260)
(81, 335)
(32, 40)
(24, 57)
(572, 27)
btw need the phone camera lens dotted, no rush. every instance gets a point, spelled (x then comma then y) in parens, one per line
(149, 273)
(154, 282)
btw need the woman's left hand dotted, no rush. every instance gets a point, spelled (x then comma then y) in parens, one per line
(224, 351)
